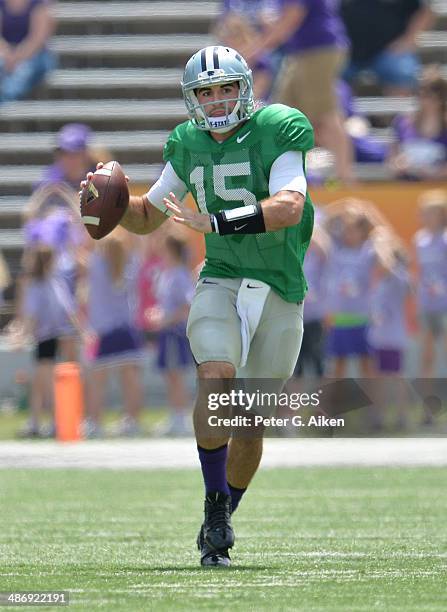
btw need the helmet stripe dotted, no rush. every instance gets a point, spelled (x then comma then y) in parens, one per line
(203, 59)
(211, 66)
(209, 58)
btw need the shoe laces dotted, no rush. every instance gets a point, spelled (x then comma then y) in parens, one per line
(218, 516)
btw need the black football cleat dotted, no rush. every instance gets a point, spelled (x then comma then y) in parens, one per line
(210, 557)
(217, 530)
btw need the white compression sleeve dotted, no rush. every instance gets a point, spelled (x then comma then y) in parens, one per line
(287, 173)
(168, 181)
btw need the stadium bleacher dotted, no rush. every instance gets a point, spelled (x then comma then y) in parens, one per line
(119, 69)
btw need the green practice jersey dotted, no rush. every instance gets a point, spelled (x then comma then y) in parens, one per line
(235, 173)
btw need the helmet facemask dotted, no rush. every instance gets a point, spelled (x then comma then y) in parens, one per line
(224, 123)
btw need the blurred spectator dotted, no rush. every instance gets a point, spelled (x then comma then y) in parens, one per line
(49, 314)
(59, 230)
(347, 280)
(421, 148)
(242, 22)
(25, 28)
(315, 47)
(53, 211)
(112, 285)
(52, 219)
(387, 333)
(384, 35)
(74, 157)
(367, 149)
(175, 289)
(349, 268)
(431, 256)
(148, 275)
(312, 348)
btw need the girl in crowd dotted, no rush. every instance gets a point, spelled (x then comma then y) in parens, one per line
(175, 289)
(347, 281)
(387, 332)
(52, 218)
(420, 151)
(112, 294)
(49, 315)
(431, 257)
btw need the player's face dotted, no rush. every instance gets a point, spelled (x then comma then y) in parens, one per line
(215, 96)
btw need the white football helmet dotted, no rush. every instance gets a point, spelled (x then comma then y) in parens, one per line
(214, 66)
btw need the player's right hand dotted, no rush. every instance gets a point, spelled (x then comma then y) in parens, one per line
(89, 176)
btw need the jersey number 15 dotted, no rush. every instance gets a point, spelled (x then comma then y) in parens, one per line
(220, 173)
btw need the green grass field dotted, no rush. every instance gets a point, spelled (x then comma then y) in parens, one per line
(12, 422)
(307, 539)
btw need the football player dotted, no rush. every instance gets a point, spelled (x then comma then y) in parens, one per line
(245, 168)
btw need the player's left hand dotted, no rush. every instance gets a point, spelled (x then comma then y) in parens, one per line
(184, 215)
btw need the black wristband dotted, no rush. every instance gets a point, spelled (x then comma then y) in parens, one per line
(243, 220)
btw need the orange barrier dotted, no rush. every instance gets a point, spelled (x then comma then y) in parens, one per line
(69, 402)
(396, 200)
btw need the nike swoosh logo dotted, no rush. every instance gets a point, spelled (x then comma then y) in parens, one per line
(236, 229)
(208, 282)
(253, 287)
(239, 139)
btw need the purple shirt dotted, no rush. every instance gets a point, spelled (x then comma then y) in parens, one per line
(111, 306)
(322, 26)
(174, 289)
(15, 27)
(387, 328)
(49, 304)
(431, 254)
(347, 279)
(314, 264)
(419, 150)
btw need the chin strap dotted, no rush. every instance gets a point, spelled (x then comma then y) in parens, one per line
(218, 124)
(230, 121)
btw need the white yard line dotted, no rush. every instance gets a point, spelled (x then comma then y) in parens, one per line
(163, 453)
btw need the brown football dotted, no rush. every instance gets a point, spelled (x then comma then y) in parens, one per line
(104, 200)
